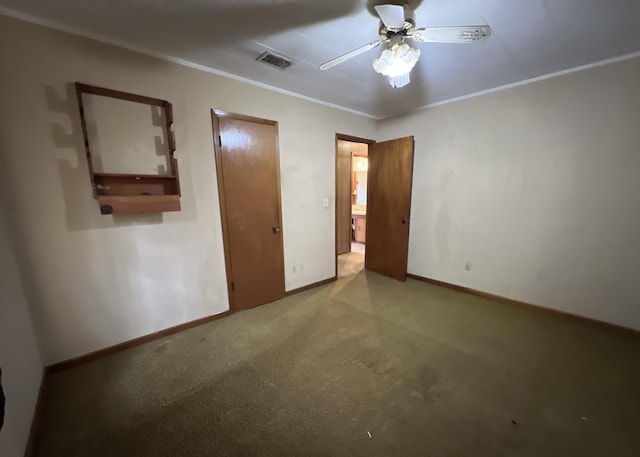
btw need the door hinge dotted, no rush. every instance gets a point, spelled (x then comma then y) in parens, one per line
(220, 140)
(233, 286)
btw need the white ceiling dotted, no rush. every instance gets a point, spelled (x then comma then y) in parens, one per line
(530, 38)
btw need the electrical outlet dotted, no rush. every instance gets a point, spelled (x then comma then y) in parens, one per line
(468, 266)
(294, 269)
(325, 202)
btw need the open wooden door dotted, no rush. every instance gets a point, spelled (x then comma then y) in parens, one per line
(389, 206)
(248, 169)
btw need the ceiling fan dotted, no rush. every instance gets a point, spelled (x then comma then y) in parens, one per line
(398, 58)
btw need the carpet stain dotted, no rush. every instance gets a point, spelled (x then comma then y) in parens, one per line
(428, 381)
(378, 360)
(416, 394)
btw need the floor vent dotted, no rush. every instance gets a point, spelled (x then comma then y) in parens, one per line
(274, 60)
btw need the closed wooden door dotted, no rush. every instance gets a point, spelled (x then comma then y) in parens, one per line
(343, 196)
(249, 183)
(388, 207)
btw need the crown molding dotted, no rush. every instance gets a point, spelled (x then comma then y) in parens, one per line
(186, 63)
(176, 60)
(525, 82)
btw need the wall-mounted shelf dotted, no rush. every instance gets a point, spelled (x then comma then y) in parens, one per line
(136, 204)
(131, 193)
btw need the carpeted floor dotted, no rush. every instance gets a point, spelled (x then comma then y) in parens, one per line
(352, 262)
(366, 366)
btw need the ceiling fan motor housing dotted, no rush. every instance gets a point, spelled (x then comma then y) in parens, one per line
(407, 29)
(409, 15)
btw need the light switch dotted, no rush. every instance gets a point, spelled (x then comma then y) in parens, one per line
(325, 202)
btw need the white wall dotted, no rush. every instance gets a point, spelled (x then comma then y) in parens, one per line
(94, 280)
(537, 187)
(19, 356)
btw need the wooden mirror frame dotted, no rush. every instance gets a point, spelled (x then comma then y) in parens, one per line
(132, 192)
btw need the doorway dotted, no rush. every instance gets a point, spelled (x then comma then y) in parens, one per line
(373, 204)
(351, 203)
(248, 171)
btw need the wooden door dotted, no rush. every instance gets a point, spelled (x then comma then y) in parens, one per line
(388, 207)
(343, 197)
(248, 170)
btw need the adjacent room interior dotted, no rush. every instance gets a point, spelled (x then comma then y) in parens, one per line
(352, 166)
(346, 228)
(359, 167)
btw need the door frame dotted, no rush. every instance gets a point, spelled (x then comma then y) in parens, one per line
(353, 139)
(216, 115)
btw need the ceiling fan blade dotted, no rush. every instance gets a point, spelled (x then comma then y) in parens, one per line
(350, 54)
(392, 16)
(467, 34)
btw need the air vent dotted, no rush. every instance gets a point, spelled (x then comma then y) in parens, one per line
(274, 60)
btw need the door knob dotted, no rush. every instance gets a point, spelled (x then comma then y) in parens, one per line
(276, 228)
(405, 221)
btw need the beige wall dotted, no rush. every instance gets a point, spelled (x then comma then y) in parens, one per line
(537, 188)
(126, 137)
(95, 281)
(19, 356)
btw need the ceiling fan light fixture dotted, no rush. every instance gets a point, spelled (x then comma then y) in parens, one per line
(399, 81)
(396, 62)
(398, 25)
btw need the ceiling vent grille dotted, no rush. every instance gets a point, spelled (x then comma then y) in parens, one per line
(274, 60)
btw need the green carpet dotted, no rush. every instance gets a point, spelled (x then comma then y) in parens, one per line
(366, 366)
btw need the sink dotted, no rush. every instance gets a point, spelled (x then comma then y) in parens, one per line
(358, 210)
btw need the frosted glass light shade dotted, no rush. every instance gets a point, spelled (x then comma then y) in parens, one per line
(399, 81)
(397, 62)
